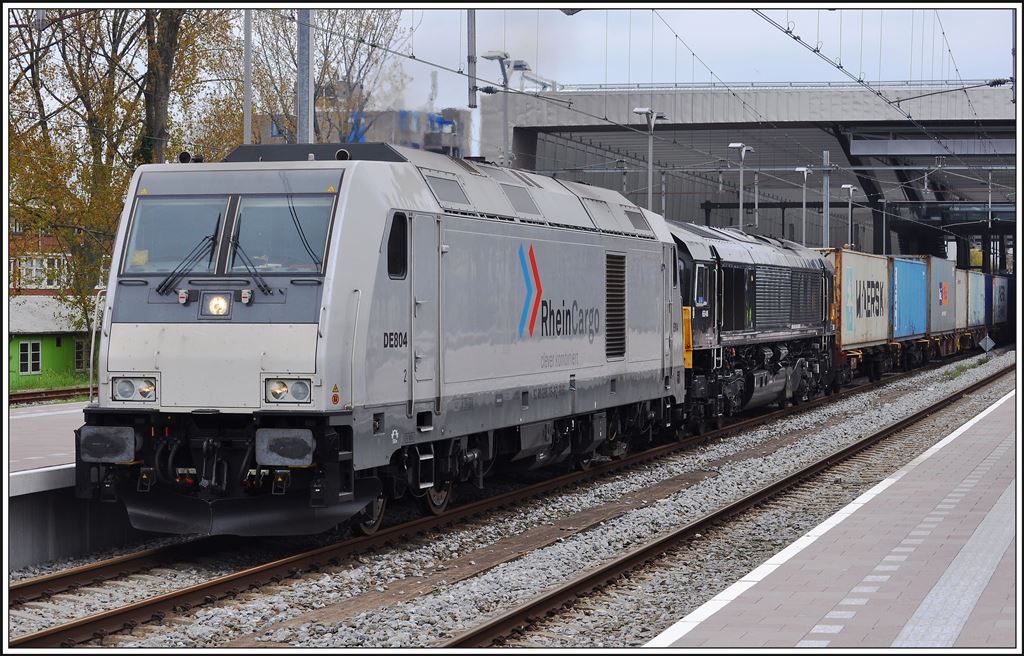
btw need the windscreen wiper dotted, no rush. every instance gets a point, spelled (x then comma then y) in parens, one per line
(204, 246)
(261, 282)
(302, 233)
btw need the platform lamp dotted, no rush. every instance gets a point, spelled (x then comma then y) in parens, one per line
(652, 117)
(849, 209)
(744, 149)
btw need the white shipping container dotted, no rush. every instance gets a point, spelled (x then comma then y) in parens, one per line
(975, 299)
(961, 299)
(862, 298)
(1000, 289)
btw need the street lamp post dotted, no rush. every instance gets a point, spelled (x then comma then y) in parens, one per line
(744, 149)
(806, 170)
(503, 61)
(849, 209)
(652, 116)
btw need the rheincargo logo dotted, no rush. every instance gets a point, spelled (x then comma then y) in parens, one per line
(529, 291)
(568, 319)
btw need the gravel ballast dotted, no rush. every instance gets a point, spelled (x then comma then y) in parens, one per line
(456, 607)
(633, 612)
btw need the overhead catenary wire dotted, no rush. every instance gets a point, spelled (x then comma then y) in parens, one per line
(573, 109)
(881, 19)
(924, 45)
(567, 104)
(866, 85)
(912, 24)
(959, 77)
(754, 113)
(606, 63)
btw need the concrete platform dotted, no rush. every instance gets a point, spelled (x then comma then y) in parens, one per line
(43, 436)
(924, 559)
(45, 520)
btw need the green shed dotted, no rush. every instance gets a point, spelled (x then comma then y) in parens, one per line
(44, 349)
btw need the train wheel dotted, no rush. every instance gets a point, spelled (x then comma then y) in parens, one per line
(435, 499)
(581, 462)
(370, 519)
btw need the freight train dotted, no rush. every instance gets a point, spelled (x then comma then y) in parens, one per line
(298, 334)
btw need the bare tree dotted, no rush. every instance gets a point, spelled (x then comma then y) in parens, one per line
(162, 26)
(350, 66)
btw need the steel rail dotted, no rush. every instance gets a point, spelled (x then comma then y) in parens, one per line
(48, 585)
(92, 573)
(548, 603)
(46, 395)
(155, 608)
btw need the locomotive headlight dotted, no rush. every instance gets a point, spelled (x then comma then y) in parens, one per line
(217, 305)
(147, 388)
(278, 389)
(300, 390)
(134, 389)
(124, 389)
(288, 390)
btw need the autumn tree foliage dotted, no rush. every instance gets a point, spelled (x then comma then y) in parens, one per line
(93, 93)
(73, 104)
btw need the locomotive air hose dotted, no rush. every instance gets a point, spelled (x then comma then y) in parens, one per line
(170, 461)
(157, 464)
(245, 464)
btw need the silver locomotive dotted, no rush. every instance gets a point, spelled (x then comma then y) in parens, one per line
(297, 334)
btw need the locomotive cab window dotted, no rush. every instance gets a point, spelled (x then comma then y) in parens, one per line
(166, 229)
(398, 251)
(282, 234)
(700, 287)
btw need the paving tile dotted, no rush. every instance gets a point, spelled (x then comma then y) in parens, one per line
(869, 573)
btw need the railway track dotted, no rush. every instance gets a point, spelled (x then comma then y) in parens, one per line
(91, 627)
(497, 629)
(35, 396)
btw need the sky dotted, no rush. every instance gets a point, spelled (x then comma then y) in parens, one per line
(595, 46)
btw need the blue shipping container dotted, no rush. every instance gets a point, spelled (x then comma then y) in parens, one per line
(909, 298)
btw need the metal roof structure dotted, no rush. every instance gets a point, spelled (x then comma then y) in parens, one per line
(927, 182)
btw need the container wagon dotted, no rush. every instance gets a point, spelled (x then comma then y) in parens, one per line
(908, 294)
(861, 312)
(942, 308)
(1001, 325)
